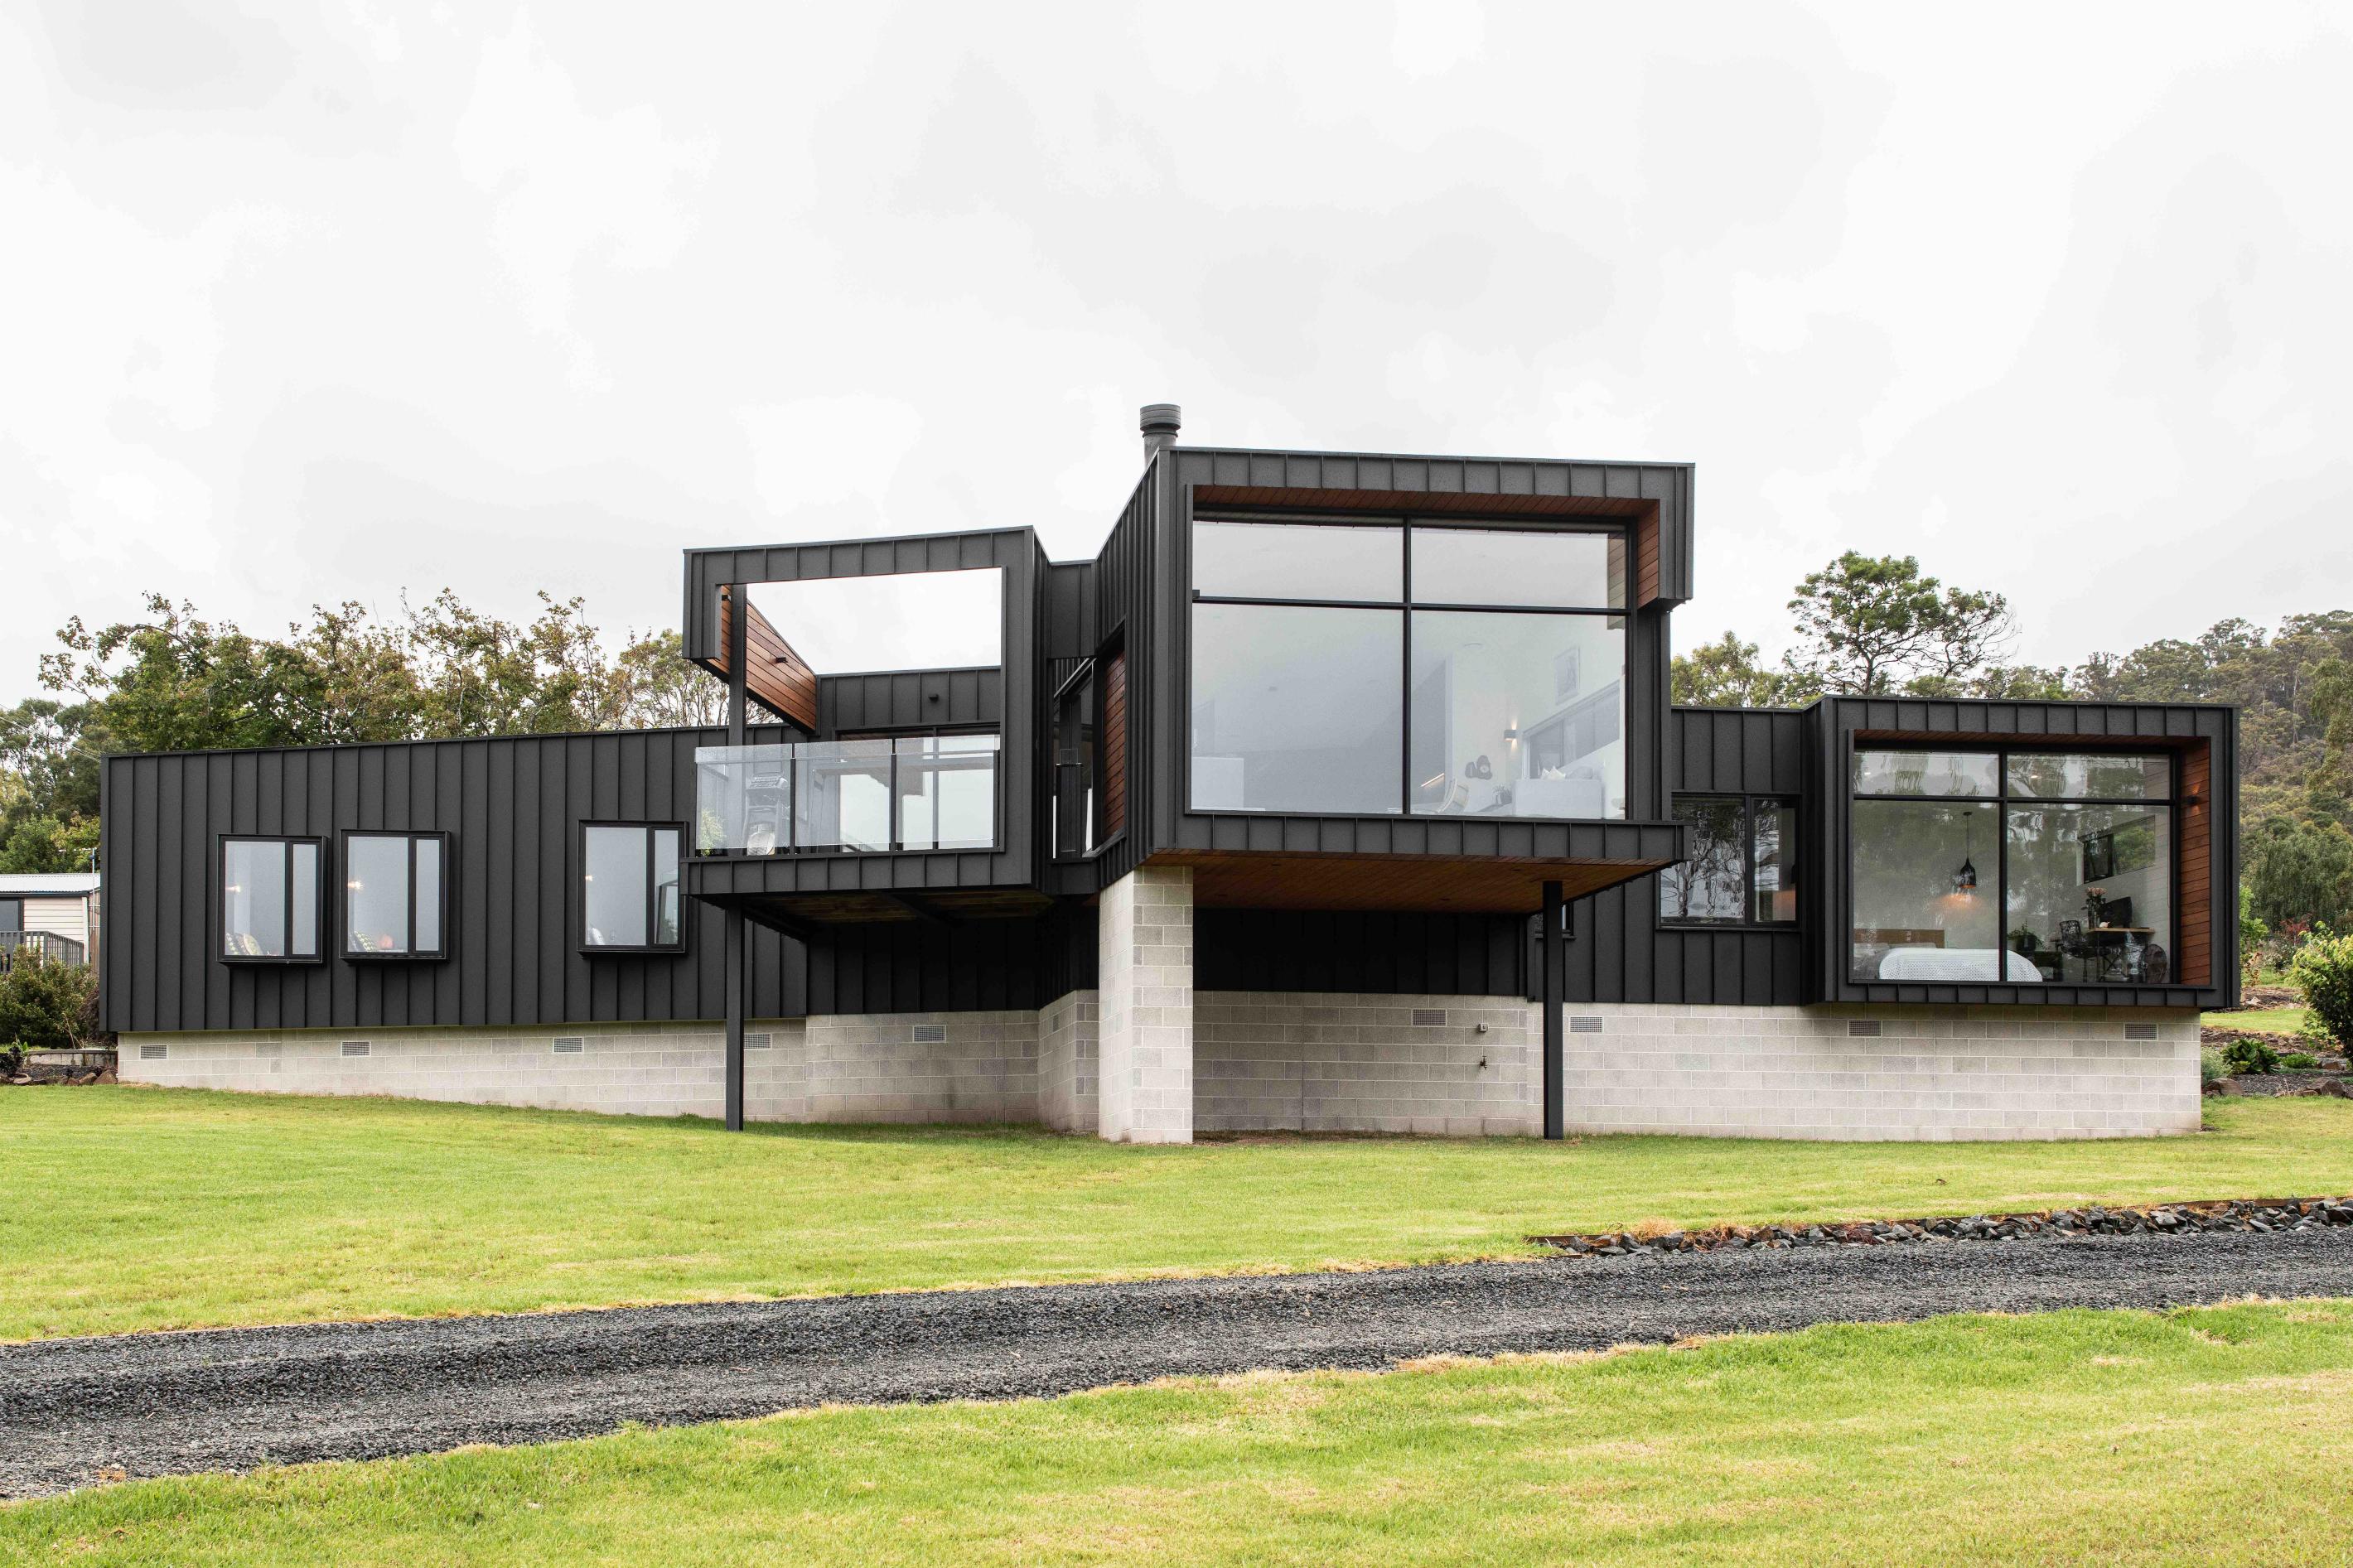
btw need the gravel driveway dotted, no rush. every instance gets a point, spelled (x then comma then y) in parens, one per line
(74, 1411)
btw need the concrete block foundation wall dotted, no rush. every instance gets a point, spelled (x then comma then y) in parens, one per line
(1301, 1061)
(1144, 928)
(1866, 1073)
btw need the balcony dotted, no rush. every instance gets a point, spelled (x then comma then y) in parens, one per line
(42, 945)
(921, 794)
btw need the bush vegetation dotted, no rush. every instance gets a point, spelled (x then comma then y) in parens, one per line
(2323, 970)
(2247, 1054)
(45, 1005)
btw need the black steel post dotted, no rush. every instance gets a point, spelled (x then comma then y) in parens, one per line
(1555, 955)
(737, 979)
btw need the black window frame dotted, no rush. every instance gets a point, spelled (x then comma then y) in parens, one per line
(1747, 920)
(413, 953)
(1406, 605)
(322, 929)
(579, 900)
(2003, 798)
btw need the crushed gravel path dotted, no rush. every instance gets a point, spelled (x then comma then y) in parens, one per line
(77, 1411)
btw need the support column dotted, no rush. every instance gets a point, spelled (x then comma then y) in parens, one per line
(738, 976)
(1144, 922)
(1554, 953)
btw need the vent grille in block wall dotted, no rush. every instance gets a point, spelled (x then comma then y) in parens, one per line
(2140, 1031)
(930, 1033)
(570, 1044)
(152, 1053)
(1429, 1014)
(755, 1042)
(1863, 1028)
(1585, 1025)
(355, 1047)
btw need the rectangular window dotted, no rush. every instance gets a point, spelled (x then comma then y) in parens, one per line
(270, 894)
(1330, 561)
(1743, 865)
(394, 888)
(1297, 708)
(1441, 668)
(2020, 868)
(630, 886)
(1519, 566)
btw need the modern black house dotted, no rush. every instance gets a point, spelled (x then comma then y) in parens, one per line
(1337, 791)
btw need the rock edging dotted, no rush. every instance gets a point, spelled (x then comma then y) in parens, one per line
(2159, 1219)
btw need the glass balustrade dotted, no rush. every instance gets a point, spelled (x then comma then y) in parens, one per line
(917, 793)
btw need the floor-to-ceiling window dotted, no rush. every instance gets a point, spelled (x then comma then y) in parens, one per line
(2022, 866)
(1378, 667)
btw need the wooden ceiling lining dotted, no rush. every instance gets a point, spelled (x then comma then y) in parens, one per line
(774, 673)
(1420, 884)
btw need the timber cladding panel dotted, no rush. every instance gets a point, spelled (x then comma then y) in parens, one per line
(1114, 743)
(776, 675)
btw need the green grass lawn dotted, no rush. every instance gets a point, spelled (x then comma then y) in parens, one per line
(139, 1209)
(2259, 1020)
(2112, 1437)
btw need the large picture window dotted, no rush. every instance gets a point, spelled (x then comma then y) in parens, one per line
(396, 895)
(1743, 865)
(271, 898)
(2024, 868)
(630, 894)
(1370, 668)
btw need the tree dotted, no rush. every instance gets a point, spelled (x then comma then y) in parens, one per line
(1873, 626)
(2297, 871)
(1725, 674)
(653, 686)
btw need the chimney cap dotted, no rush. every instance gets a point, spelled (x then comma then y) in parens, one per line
(1158, 416)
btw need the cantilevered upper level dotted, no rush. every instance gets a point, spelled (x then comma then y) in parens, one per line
(1323, 680)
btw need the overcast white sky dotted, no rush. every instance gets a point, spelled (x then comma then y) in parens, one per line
(316, 305)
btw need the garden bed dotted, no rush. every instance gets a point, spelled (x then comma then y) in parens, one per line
(2160, 1219)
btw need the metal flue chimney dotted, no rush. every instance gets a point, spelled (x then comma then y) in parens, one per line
(1160, 422)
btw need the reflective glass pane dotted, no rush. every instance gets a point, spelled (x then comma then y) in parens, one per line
(375, 895)
(1518, 566)
(668, 909)
(2091, 892)
(253, 898)
(1296, 709)
(2079, 775)
(307, 875)
(1518, 715)
(842, 795)
(1299, 560)
(613, 886)
(429, 894)
(1926, 906)
(948, 792)
(1773, 874)
(1927, 772)
(742, 798)
(1708, 886)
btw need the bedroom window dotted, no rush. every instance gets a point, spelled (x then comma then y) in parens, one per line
(271, 897)
(631, 890)
(1743, 865)
(1377, 667)
(396, 895)
(2024, 868)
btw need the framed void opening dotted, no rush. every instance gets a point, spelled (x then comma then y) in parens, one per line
(904, 621)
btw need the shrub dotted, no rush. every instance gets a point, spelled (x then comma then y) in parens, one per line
(45, 1005)
(2323, 970)
(2210, 1068)
(12, 1060)
(2247, 1054)
(2299, 1061)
